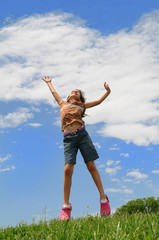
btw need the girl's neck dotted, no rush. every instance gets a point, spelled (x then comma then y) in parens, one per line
(73, 99)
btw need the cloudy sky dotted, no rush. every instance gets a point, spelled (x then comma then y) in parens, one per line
(80, 45)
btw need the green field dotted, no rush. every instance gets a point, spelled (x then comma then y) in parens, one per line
(135, 226)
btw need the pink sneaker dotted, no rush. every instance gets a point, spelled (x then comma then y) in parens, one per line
(65, 213)
(105, 208)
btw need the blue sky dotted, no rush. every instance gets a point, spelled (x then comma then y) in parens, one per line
(81, 44)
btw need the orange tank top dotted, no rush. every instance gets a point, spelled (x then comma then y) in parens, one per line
(70, 112)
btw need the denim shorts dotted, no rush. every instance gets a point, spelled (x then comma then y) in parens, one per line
(81, 141)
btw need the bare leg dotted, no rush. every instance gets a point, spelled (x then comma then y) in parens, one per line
(68, 171)
(96, 177)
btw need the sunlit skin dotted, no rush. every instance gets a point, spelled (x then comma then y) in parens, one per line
(68, 170)
(75, 93)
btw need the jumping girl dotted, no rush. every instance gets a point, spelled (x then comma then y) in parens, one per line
(76, 137)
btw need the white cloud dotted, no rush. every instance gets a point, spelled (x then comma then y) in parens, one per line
(34, 124)
(137, 133)
(35, 109)
(112, 171)
(155, 171)
(112, 162)
(62, 46)
(149, 149)
(97, 144)
(109, 162)
(7, 169)
(115, 180)
(124, 154)
(131, 180)
(101, 166)
(61, 146)
(3, 159)
(137, 175)
(114, 148)
(116, 162)
(15, 118)
(116, 190)
(57, 122)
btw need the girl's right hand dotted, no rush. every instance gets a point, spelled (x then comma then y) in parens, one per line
(47, 79)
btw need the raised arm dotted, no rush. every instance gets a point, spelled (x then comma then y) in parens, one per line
(101, 99)
(53, 91)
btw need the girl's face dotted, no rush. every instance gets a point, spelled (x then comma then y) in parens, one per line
(75, 93)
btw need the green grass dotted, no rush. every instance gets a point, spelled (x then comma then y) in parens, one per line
(136, 226)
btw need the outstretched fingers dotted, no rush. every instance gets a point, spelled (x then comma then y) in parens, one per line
(106, 86)
(46, 79)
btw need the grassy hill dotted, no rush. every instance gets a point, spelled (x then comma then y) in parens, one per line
(136, 227)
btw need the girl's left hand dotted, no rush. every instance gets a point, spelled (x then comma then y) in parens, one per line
(106, 87)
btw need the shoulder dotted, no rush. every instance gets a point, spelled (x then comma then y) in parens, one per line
(62, 103)
(81, 105)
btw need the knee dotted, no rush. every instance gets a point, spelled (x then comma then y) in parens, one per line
(68, 170)
(91, 166)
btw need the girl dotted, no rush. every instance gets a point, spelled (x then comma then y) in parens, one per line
(76, 137)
